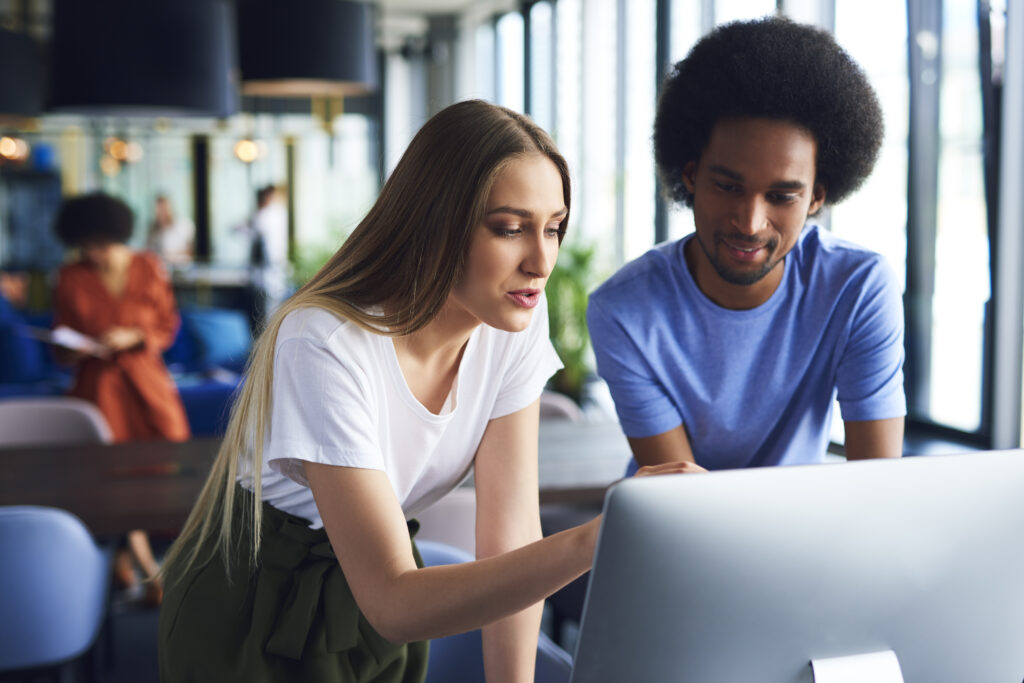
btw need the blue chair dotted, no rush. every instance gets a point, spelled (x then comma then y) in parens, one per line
(54, 589)
(460, 657)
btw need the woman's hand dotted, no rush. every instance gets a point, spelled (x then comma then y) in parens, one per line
(681, 467)
(68, 356)
(122, 338)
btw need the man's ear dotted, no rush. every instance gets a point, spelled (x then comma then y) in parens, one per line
(690, 176)
(817, 199)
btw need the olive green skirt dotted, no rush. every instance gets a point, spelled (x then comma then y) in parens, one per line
(292, 618)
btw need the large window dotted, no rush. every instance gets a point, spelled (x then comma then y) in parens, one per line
(592, 66)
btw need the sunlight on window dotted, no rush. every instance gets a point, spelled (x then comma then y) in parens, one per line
(961, 245)
(685, 31)
(511, 84)
(874, 32)
(541, 87)
(639, 179)
(735, 10)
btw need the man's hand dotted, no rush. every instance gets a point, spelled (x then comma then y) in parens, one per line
(681, 467)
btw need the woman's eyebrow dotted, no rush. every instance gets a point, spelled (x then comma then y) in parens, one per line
(523, 213)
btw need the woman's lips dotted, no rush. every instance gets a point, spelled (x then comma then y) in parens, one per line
(527, 298)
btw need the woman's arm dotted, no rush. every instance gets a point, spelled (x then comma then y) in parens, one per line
(367, 530)
(508, 517)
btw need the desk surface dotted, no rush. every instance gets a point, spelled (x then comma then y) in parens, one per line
(152, 485)
(113, 488)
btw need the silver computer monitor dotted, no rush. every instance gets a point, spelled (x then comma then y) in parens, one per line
(750, 575)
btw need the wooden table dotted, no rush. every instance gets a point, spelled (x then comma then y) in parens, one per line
(579, 461)
(113, 488)
(153, 485)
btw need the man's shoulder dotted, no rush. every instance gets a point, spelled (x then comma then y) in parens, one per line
(661, 265)
(826, 258)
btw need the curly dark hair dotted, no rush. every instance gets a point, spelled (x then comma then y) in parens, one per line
(777, 69)
(95, 218)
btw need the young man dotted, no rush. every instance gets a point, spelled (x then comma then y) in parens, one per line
(729, 346)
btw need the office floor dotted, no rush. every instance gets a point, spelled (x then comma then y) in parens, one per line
(134, 633)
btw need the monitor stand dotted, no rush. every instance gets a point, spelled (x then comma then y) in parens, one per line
(878, 667)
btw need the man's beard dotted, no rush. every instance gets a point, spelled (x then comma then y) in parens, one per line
(742, 277)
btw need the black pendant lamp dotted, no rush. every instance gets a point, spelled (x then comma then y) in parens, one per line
(21, 75)
(143, 58)
(306, 48)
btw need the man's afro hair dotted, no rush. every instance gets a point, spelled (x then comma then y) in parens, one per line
(770, 68)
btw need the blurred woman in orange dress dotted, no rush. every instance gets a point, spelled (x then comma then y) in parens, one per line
(123, 299)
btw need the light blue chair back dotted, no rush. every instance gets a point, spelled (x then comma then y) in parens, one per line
(54, 584)
(460, 657)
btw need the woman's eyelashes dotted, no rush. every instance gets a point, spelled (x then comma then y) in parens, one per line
(510, 230)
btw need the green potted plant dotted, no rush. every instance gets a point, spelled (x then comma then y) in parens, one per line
(567, 291)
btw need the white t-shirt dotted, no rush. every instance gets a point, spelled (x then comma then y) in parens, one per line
(339, 398)
(174, 242)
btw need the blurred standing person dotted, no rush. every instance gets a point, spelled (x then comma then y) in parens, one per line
(122, 298)
(268, 250)
(172, 237)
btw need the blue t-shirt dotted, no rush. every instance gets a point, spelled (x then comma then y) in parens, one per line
(752, 387)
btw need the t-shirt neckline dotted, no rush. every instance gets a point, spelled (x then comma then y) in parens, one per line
(451, 402)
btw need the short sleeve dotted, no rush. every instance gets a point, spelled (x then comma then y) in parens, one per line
(870, 373)
(643, 407)
(527, 367)
(321, 411)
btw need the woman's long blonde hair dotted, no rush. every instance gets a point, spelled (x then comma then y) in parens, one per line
(391, 276)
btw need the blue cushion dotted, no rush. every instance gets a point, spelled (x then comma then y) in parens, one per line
(22, 358)
(7, 313)
(222, 336)
(183, 354)
(207, 405)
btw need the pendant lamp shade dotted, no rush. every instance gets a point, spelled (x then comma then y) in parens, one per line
(306, 48)
(143, 58)
(21, 75)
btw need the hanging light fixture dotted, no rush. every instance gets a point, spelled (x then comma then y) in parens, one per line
(306, 48)
(21, 75)
(132, 58)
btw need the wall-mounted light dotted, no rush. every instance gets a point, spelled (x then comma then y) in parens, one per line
(123, 151)
(248, 150)
(109, 166)
(14, 149)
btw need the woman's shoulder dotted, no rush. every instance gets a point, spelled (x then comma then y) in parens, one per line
(320, 326)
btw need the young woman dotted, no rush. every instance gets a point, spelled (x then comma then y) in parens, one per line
(416, 354)
(122, 298)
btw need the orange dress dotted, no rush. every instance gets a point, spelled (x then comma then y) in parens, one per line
(132, 389)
